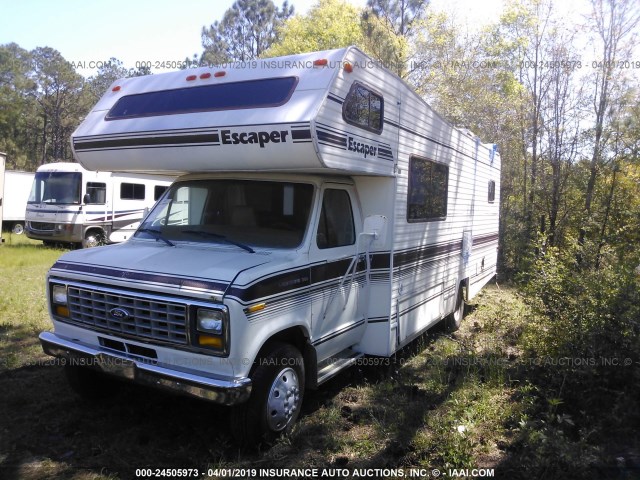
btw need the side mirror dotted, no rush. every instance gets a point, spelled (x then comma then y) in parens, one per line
(376, 226)
(86, 198)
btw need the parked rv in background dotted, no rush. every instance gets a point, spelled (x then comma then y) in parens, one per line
(17, 186)
(69, 204)
(3, 157)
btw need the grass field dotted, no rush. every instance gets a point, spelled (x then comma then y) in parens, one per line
(469, 400)
(23, 310)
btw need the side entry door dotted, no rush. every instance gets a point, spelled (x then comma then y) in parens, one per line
(338, 320)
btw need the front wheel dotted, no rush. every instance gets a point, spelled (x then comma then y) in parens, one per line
(276, 397)
(18, 229)
(93, 238)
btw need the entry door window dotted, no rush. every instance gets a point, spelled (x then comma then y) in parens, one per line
(336, 228)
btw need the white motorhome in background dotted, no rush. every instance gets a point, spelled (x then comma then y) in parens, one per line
(16, 193)
(3, 157)
(70, 204)
(326, 213)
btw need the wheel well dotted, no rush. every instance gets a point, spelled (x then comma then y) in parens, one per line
(299, 338)
(98, 230)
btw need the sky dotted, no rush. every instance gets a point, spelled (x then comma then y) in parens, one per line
(87, 32)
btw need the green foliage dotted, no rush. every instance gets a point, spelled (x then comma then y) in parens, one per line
(247, 30)
(329, 24)
(591, 313)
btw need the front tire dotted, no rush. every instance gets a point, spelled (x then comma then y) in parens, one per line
(93, 238)
(276, 397)
(18, 228)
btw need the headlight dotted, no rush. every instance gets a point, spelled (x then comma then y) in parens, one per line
(212, 329)
(59, 300)
(60, 294)
(210, 321)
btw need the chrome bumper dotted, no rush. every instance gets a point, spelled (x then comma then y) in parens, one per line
(221, 390)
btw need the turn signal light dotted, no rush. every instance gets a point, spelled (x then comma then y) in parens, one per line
(209, 341)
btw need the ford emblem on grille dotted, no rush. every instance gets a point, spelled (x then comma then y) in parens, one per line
(119, 313)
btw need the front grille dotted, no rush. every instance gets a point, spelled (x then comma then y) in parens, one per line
(148, 318)
(45, 227)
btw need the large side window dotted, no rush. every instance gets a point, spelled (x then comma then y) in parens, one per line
(363, 108)
(428, 187)
(132, 191)
(336, 228)
(97, 192)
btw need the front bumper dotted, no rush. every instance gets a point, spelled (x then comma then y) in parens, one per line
(62, 232)
(222, 390)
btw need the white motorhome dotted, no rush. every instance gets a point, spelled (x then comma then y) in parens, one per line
(69, 204)
(16, 193)
(326, 213)
(3, 157)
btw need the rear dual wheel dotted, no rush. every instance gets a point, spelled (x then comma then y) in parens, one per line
(454, 320)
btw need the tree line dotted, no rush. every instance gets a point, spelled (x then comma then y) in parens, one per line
(560, 99)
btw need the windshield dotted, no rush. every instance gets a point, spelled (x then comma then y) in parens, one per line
(56, 188)
(243, 213)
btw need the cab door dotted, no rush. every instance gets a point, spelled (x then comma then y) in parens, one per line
(338, 318)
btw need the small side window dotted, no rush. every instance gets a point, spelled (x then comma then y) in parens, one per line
(132, 191)
(492, 191)
(158, 190)
(363, 108)
(97, 193)
(336, 228)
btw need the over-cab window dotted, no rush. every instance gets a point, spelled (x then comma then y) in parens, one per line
(266, 92)
(132, 191)
(428, 187)
(336, 228)
(363, 108)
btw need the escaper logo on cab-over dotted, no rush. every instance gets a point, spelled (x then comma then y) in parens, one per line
(363, 148)
(261, 138)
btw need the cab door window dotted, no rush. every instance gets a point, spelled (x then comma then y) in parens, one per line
(336, 227)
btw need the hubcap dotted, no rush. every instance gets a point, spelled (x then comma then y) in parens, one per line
(284, 399)
(91, 241)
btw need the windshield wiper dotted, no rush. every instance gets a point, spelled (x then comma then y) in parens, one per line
(157, 234)
(221, 237)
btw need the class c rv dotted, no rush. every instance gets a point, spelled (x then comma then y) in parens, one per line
(69, 204)
(323, 212)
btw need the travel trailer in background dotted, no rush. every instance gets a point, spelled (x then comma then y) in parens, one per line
(16, 193)
(326, 212)
(3, 158)
(69, 204)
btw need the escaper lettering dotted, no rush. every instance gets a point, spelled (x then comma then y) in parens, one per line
(361, 148)
(261, 138)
